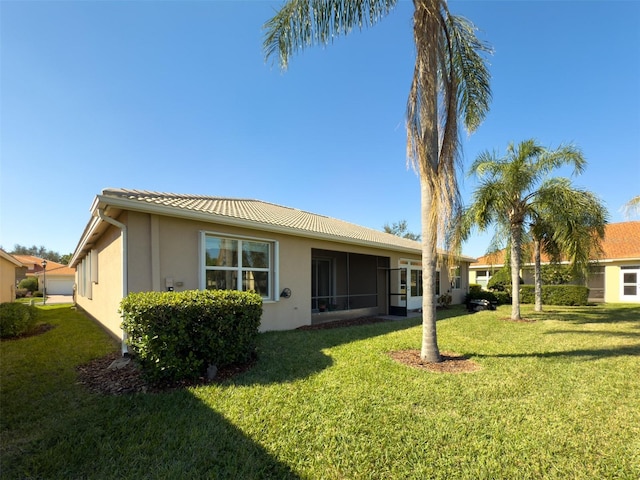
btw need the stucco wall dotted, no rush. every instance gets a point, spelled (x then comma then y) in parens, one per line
(161, 248)
(174, 247)
(104, 299)
(612, 274)
(7, 281)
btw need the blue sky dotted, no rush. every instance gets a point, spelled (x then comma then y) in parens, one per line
(176, 96)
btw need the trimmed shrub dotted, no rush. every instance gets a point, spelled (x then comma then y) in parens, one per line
(556, 294)
(177, 335)
(21, 292)
(17, 319)
(554, 274)
(501, 280)
(495, 296)
(30, 283)
(503, 298)
(38, 293)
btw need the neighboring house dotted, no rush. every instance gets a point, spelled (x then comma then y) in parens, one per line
(308, 268)
(60, 278)
(614, 276)
(8, 271)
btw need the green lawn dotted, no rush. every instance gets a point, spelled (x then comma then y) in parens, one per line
(556, 398)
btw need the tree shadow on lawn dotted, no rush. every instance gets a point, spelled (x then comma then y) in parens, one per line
(292, 355)
(170, 435)
(585, 354)
(593, 314)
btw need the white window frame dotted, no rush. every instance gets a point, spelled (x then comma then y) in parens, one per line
(273, 269)
(483, 280)
(456, 280)
(627, 269)
(94, 265)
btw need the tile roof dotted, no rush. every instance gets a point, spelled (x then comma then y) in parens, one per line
(10, 258)
(53, 268)
(621, 241)
(256, 214)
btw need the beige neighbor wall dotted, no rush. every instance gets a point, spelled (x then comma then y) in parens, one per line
(166, 247)
(104, 300)
(612, 275)
(7, 281)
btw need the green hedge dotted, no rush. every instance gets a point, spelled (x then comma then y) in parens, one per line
(477, 293)
(17, 319)
(556, 294)
(177, 335)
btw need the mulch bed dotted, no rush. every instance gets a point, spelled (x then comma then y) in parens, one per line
(97, 377)
(451, 362)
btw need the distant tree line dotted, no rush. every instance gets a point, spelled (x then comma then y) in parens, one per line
(401, 229)
(41, 252)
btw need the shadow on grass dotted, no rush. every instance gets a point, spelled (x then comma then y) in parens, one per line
(605, 333)
(297, 354)
(146, 436)
(292, 355)
(585, 354)
(593, 314)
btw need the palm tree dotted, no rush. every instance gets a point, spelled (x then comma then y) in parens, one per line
(511, 187)
(566, 222)
(450, 80)
(632, 207)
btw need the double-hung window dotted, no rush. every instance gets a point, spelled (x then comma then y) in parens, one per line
(239, 264)
(456, 280)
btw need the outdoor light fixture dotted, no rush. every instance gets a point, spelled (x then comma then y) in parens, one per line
(44, 281)
(286, 293)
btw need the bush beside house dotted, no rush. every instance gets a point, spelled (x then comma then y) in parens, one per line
(178, 335)
(556, 294)
(17, 319)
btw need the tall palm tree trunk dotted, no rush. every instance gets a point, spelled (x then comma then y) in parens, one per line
(425, 132)
(429, 351)
(537, 276)
(516, 248)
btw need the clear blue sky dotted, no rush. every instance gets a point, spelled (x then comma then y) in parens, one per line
(176, 96)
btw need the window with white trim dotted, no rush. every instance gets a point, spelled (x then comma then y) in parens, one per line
(239, 264)
(483, 277)
(456, 280)
(630, 283)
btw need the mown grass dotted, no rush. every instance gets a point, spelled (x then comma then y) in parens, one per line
(555, 398)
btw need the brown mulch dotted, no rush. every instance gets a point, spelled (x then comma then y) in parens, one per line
(451, 362)
(521, 320)
(98, 378)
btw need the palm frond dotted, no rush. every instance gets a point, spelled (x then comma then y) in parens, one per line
(303, 23)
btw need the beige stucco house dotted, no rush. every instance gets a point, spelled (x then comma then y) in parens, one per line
(614, 276)
(8, 266)
(308, 268)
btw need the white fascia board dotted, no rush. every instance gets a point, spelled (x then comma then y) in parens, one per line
(93, 223)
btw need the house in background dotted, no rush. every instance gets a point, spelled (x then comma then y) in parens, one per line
(60, 278)
(308, 268)
(614, 276)
(9, 270)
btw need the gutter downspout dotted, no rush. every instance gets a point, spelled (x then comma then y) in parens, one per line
(125, 286)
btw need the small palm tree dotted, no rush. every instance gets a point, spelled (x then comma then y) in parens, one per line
(450, 80)
(566, 222)
(510, 192)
